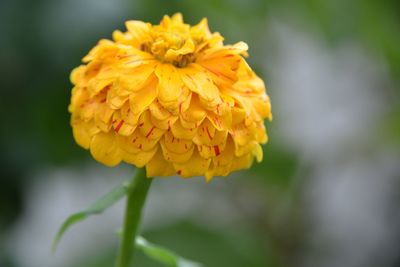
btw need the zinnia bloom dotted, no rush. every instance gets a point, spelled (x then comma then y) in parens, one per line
(170, 97)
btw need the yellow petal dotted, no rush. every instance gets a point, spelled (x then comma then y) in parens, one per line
(177, 18)
(126, 114)
(164, 124)
(196, 166)
(220, 122)
(96, 85)
(83, 132)
(114, 100)
(238, 115)
(187, 48)
(103, 50)
(130, 59)
(242, 134)
(207, 152)
(226, 156)
(239, 48)
(205, 133)
(158, 111)
(172, 155)
(141, 100)
(261, 133)
(91, 106)
(134, 80)
(104, 148)
(138, 141)
(140, 159)
(201, 30)
(158, 166)
(184, 133)
(121, 127)
(208, 135)
(181, 104)
(241, 150)
(177, 145)
(125, 143)
(90, 72)
(222, 69)
(175, 149)
(196, 79)
(77, 74)
(169, 83)
(139, 30)
(166, 21)
(242, 162)
(262, 106)
(79, 96)
(147, 129)
(195, 113)
(123, 38)
(103, 117)
(221, 164)
(258, 152)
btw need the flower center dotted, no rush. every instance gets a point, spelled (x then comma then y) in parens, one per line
(176, 48)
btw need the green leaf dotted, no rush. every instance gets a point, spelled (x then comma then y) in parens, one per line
(96, 208)
(163, 255)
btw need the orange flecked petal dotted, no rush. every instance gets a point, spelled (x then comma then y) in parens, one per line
(140, 142)
(172, 156)
(164, 124)
(199, 82)
(176, 145)
(147, 129)
(222, 68)
(176, 150)
(196, 166)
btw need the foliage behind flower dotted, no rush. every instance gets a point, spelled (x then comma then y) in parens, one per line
(170, 97)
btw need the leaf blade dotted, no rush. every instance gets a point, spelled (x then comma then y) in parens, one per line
(163, 255)
(96, 208)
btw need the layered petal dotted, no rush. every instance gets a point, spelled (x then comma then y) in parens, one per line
(172, 98)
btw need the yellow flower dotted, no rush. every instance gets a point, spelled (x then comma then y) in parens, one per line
(170, 97)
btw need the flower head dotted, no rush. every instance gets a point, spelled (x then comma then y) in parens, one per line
(170, 97)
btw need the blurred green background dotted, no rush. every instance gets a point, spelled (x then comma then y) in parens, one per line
(326, 193)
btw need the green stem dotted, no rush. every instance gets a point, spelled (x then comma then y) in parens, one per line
(136, 197)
